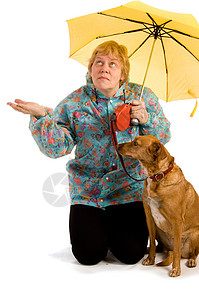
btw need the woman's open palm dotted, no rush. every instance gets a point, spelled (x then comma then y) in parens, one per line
(25, 107)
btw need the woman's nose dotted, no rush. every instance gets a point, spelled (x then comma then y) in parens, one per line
(104, 68)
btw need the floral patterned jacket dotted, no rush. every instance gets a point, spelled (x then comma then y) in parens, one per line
(82, 120)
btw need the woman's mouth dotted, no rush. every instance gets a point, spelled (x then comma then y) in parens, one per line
(103, 78)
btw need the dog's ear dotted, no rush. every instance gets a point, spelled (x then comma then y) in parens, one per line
(158, 150)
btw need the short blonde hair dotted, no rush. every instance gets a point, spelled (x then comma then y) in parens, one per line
(120, 51)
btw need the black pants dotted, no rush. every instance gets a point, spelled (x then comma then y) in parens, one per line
(120, 228)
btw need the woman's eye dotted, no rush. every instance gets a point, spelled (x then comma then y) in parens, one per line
(112, 64)
(99, 62)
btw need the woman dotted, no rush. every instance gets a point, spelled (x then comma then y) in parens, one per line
(106, 211)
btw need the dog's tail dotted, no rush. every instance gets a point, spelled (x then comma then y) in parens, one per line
(167, 261)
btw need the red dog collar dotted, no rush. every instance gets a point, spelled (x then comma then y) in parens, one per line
(158, 177)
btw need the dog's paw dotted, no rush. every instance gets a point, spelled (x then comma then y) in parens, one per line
(191, 263)
(175, 272)
(148, 261)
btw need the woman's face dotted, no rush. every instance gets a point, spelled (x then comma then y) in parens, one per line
(106, 74)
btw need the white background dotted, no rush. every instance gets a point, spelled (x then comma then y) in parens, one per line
(36, 262)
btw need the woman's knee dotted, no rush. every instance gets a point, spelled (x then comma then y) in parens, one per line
(88, 235)
(131, 258)
(129, 251)
(88, 256)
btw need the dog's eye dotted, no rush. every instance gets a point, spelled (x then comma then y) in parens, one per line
(135, 143)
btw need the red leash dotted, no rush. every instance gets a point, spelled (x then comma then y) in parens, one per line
(115, 143)
(122, 125)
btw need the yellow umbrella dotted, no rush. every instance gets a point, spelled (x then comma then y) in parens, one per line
(163, 46)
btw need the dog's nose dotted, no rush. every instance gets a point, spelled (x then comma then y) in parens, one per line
(119, 147)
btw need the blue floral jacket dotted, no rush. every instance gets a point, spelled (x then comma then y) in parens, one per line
(82, 119)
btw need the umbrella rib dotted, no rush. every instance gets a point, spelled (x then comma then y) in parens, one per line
(178, 31)
(140, 45)
(126, 32)
(154, 22)
(125, 19)
(130, 31)
(148, 26)
(173, 38)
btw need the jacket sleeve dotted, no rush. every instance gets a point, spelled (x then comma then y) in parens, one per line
(53, 133)
(157, 124)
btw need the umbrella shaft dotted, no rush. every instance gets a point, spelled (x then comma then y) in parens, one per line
(147, 68)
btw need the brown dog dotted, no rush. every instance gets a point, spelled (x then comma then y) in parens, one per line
(171, 204)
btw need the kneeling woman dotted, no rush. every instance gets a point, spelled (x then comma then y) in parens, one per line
(106, 210)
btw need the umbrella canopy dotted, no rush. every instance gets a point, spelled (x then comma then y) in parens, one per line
(163, 46)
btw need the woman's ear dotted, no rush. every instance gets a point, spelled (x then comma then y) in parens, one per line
(90, 75)
(121, 81)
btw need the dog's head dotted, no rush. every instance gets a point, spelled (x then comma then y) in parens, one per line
(147, 149)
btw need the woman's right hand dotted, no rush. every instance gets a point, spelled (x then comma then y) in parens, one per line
(31, 108)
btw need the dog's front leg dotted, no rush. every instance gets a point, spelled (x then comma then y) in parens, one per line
(176, 269)
(150, 260)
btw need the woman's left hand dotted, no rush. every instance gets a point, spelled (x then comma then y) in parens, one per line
(138, 111)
